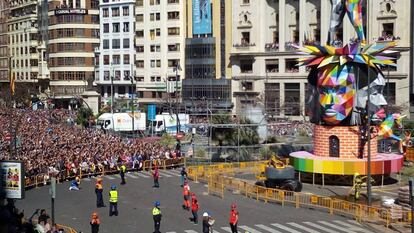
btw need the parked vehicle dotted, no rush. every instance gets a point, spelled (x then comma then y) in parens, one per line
(122, 122)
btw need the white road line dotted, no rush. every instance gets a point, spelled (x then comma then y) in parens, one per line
(110, 177)
(352, 227)
(170, 232)
(141, 174)
(250, 230)
(336, 227)
(164, 173)
(171, 173)
(271, 230)
(214, 231)
(86, 179)
(227, 229)
(148, 173)
(132, 176)
(302, 227)
(288, 229)
(190, 231)
(317, 226)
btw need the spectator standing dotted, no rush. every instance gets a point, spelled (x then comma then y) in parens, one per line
(156, 175)
(183, 176)
(95, 222)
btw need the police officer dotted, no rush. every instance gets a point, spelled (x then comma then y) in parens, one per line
(156, 215)
(122, 173)
(99, 191)
(113, 201)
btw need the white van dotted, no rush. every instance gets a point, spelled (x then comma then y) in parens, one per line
(123, 121)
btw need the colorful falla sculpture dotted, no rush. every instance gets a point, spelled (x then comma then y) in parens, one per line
(340, 77)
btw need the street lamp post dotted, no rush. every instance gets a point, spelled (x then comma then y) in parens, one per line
(369, 141)
(132, 97)
(112, 96)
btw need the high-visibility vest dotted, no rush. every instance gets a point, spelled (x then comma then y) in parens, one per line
(156, 211)
(186, 190)
(123, 168)
(113, 196)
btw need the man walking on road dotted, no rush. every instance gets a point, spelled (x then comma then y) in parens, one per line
(186, 194)
(234, 218)
(122, 173)
(156, 215)
(194, 208)
(156, 175)
(99, 191)
(113, 201)
(183, 176)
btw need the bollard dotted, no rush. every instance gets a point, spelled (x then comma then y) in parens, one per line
(297, 200)
(330, 206)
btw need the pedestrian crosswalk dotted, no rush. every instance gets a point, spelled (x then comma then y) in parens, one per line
(138, 175)
(336, 226)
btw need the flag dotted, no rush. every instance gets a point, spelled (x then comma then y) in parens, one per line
(12, 82)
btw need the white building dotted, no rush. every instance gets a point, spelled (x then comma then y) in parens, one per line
(116, 50)
(264, 64)
(159, 48)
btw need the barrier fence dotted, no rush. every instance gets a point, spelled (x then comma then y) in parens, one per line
(220, 178)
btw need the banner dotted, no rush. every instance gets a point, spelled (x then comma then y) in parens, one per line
(12, 177)
(152, 108)
(201, 17)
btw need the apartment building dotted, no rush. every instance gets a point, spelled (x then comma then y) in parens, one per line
(159, 49)
(264, 62)
(116, 53)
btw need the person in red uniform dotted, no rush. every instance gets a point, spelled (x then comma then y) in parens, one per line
(194, 208)
(156, 176)
(186, 194)
(234, 218)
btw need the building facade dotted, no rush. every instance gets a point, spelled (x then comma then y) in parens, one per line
(159, 49)
(264, 62)
(115, 57)
(207, 83)
(73, 35)
(4, 42)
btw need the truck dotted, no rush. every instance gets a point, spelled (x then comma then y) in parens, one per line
(122, 122)
(167, 122)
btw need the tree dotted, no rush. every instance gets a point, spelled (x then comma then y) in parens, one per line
(83, 116)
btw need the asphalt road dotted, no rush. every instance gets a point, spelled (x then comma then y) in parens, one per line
(74, 208)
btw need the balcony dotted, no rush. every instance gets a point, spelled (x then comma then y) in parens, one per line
(272, 47)
(244, 45)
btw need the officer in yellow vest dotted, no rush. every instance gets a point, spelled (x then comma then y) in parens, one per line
(113, 201)
(156, 215)
(122, 173)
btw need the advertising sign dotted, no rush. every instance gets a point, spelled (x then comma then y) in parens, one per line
(69, 11)
(151, 112)
(12, 177)
(201, 17)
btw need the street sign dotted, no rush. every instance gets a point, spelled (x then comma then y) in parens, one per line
(52, 190)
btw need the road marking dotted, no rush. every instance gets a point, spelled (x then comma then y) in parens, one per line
(352, 227)
(142, 175)
(190, 231)
(148, 173)
(302, 227)
(132, 176)
(250, 230)
(320, 227)
(271, 230)
(164, 173)
(336, 227)
(284, 228)
(86, 179)
(170, 232)
(226, 229)
(171, 173)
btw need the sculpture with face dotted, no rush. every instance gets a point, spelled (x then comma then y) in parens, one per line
(336, 92)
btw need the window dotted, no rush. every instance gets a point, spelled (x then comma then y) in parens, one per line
(126, 59)
(106, 75)
(173, 47)
(106, 27)
(139, 2)
(153, 93)
(139, 18)
(158, 32)
(106, 59)
(247, 86)
(245, 1)
(173, 62)
(140, 33)
(117, 75)
(126, 43)
(173, 1)
(116, 59)
(139, 63)
(389, 93)
(105, 12)
(292, 66)
(125, 11)
(152, 63)
(155, 48)
(246, 66)
(116, 44)
(94, 4)
(173, 15)
(115, 12)
(140, 49)
(158, 63)
(245, 40)
(127, 75)
(272, 66)
(158, 16)
(155, 17)
(272, 98)
(106, 44)
(155, 2)
(175, 31)
(292, 99)
(152, 34)
(115, 27)
(333, 146)
(126, 27)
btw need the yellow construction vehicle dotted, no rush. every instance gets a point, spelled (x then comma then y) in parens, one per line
(275, 173)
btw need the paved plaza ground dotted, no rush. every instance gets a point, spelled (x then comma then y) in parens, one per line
(74, 208)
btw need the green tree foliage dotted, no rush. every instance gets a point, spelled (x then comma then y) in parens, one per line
(167, 140)
(83, 116)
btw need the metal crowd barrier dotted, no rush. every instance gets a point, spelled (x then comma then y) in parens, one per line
(219, 179)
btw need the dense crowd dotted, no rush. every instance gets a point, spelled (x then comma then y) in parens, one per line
(48, 141)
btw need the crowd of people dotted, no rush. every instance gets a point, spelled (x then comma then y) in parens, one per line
(48, 142)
